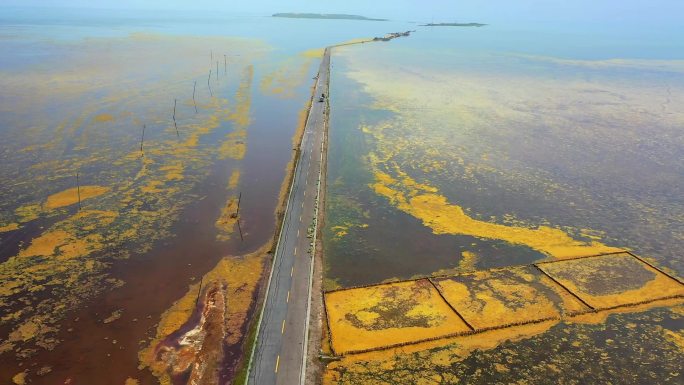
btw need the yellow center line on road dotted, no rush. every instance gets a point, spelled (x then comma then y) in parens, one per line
(288, 297)
(291, 271)
(277, 363)
(298, 229)
(282, 329)
(295, 253)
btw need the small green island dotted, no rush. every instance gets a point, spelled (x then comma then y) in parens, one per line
(335, 16)
(453, 25)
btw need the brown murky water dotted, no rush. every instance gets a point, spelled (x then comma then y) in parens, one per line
(108, 271)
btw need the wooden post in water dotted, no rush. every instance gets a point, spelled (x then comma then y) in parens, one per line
(142, 139)
(240, 230)
(194, 88)
(237, 212)
(174, 118)
(209, 84)
(217, 71)
(199, 292)
(78, 191)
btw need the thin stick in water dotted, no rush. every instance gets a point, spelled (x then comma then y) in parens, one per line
(174, 118)
(225, 64)
(238, 206)
(199, 291)
(217, 71)
(194, 87)
(78, 191)
(142, 139)
(209, 84)
(240, 230)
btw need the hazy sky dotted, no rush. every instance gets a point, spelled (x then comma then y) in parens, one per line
(451, 10)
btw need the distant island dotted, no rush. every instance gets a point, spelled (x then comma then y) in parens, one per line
(335, 16)
(453, 25)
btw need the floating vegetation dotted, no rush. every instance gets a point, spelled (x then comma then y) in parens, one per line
(423, 202)
(477, 156)
(129, 200)
(515, 355)
(475, 160)
(73, 195)
(613, 280)
(225, 223)
(292, 72)
(378, 316)
(492, 299)
(488, 299)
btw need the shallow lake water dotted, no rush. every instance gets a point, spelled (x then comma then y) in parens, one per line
(157, 124)
(467, 149)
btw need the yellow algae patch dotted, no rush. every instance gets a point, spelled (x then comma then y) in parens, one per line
(70, 196)
(446, 218)
(80, 247)
(174, 172)
(234, 179)
(10, 227)
(413, 363)
(234, 147)
(131, 381)
(152, 187)
(676, 338)
(46, 244)
(340, 231)
(468, 261)
(28, 212)
(26, 331)
(496, 298)
(452, 350)
(343, 229)
(289, 75)
(385, 315)
(315, 53)
(227, 220)
(614, 280)
(104, 118)
(20, 378)
(243, 99)
(63, 245)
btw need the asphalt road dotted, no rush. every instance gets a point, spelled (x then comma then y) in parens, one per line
(281, 344)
